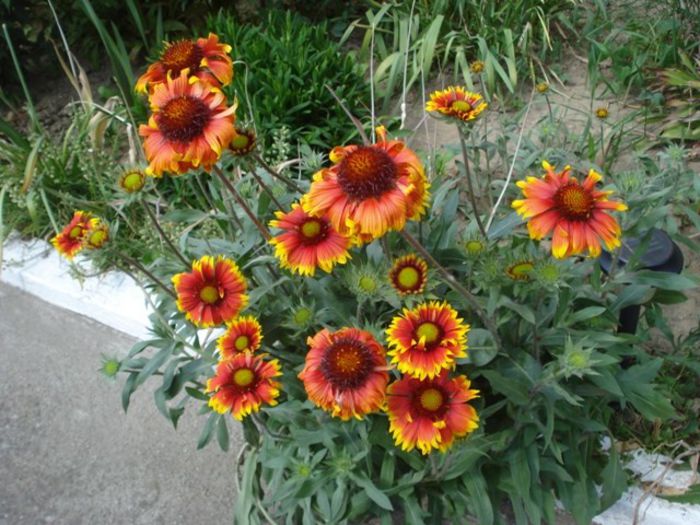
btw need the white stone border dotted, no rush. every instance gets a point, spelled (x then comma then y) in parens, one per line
(115, 300)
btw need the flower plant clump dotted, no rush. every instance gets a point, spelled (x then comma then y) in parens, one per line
(388, 352)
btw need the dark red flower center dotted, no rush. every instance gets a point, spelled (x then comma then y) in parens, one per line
(183, 118)
(209, 294)
(431, 401)
(313, 230)
(367, 172)
(347, 363)
(180, 55)
(574, 202)
(430, 331)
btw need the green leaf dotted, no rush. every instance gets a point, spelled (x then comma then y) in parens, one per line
(523, 311)
(222, 434)
(154, 364)
(586, 313)
(372, 491)
(664, 280)
(128, 389)
(632, 294)
(614, 480)
(207, 431)
(479, 497)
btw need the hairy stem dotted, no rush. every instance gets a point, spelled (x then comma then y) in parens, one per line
(133, 262)
(264, 165)
(242, 203)
(472, 197)
(162, 234)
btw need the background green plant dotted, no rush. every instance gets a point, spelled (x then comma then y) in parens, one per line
(283, 66)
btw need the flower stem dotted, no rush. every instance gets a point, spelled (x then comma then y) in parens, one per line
(472, 197)
(133, 262)
(163, 236)
(242, 203)
(454, 284)
(264, 165)
(265, 188)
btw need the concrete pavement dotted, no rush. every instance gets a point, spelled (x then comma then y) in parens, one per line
(69, 454)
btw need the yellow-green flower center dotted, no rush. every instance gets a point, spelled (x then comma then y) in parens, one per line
(240, 141)
(302, 316)
(461, 105)
(429, 331)
(431, 399)
(474, 247)
(408, 277)
(209, 294)
(367, 283)
(97, 238)
(241, 342)
(243, 376)
(578, 360)
(133, 182)
(311, 228)
(76, 231)
(521, 270)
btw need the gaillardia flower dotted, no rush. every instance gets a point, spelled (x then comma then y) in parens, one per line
(205, 59)
(71, 239)
(243, 142)
(345, 372)
(243, 334)
(431, 413)
(427, 339)
(457, 102)
(601, 113)
(212, 293)
(476, 67)
(307, 242)
(370, 189)
(97, 234)
(132, 180)
(242, 384)
(409, 274)
(190, 126)
(576, 212)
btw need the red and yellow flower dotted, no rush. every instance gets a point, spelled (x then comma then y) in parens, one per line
(190, 126)
(370, 189)
(71, 239)
(97, 234)
(243, 335)
(307, 242)
(429, 414)
(345, 372)
(427, 339)
(576, 212)
(205, 59)
(409, 274)
(457, 102)
(212, 293)
(242, 384)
